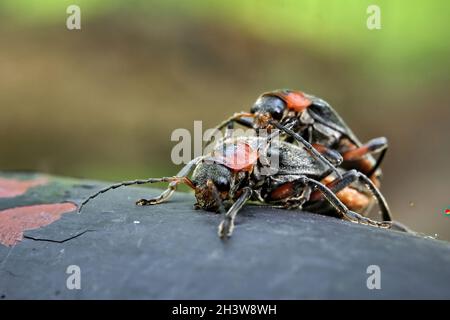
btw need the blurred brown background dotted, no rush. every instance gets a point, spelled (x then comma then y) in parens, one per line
(101, 103)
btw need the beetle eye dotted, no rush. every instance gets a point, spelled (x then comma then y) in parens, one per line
(277, 114)
(222, 184)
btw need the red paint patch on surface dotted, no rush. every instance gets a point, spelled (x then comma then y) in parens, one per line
(10, 188)
(14, 221)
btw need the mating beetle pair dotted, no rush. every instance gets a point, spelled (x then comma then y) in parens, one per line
(313, 123)
(232, 174)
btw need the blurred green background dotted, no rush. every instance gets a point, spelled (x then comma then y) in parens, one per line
(101, 103)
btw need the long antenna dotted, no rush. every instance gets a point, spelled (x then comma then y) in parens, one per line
(126, 183)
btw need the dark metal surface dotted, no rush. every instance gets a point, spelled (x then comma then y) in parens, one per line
(172, 251)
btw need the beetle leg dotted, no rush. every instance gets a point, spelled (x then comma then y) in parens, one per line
(229, 130)
(353, 198)
(237, 117)
(372, 146)
(310, 134)
(356, 217)
(351, 176)
(379, 144)
(332, 126)
(341, 208)
(385, 211)
(378, 163)
(332, 155)
(297, 202)
(166, 194)
(227, 225)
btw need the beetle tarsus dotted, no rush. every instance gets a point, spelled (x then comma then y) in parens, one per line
(226, 227)
(357, 218)
(160, 199)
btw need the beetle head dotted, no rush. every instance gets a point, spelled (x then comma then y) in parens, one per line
(271, 106)
(212, 185)
(220, 175)
(276, 104)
